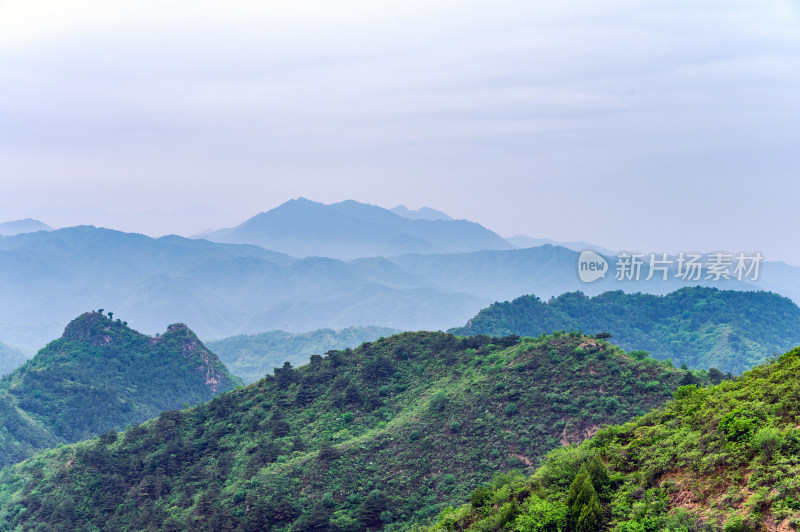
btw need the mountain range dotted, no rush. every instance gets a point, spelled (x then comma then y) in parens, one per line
(349, 230)
(101, 376)
(383, 436)
(46, 278)
(220, 289)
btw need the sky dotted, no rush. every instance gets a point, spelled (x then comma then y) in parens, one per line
(655, 126)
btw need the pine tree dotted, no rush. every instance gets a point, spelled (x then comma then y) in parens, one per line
(585, 512)
(373, 506)
(591, 516)
(598, 474)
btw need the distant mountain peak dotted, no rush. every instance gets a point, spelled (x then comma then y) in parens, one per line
(349, 230)
(27, 225)
(423, 213)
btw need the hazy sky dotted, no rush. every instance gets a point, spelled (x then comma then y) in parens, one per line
(650, 125)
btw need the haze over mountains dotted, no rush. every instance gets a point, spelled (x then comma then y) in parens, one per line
(423, 213)
(28, 225)
(223, 289)
(10, 359)
(251, 357)
(350, 230)
(220, 289)
(381, 436)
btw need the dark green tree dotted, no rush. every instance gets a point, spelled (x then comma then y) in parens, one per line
(369, 513)
(585, 512)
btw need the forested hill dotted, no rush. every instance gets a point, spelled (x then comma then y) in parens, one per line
(722, 458)
(382, 436)
(101, 375)
(700, 327)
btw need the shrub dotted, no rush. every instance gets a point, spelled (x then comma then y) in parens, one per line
(455, 426)
(611, 404)
(328, 500)
(737, 524)
(767, 440)
(438, 401)
(480, 497)
(738, 426)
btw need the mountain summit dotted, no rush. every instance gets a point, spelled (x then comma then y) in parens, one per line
(28, 225)
(423, 213)
(100, 376)
(350, 230)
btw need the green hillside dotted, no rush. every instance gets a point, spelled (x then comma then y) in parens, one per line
(382, 436)
(101, 375)
(253, 356)
(721, 458)
(700, 327)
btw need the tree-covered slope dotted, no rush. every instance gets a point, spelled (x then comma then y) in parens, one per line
(253, 356)
(721, 458)
(701, 327)
(101, 375)
(382, 436)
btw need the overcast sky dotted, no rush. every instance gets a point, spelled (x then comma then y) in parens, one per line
(648, 125)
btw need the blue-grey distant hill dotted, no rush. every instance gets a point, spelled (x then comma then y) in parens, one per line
(524, 241)
(223, 290)
(423, 213)
(349, 230)
(28, 225)
(10, 359)
(219, 289)
(251, 356)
